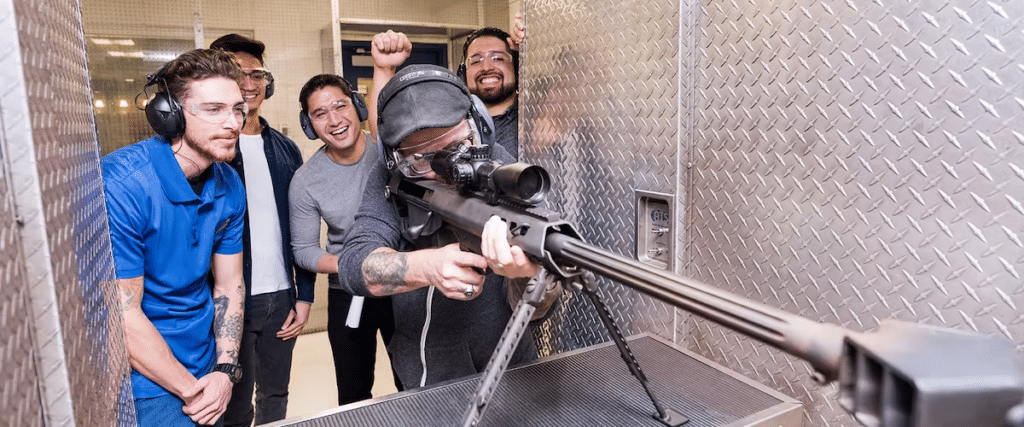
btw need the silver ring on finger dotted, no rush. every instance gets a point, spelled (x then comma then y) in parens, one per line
(499, 266)
(470, 290)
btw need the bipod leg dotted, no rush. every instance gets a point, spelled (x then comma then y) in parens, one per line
(668, 417)
(498, 364)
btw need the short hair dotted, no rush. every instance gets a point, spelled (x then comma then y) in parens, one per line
(319, 82)
(195, 65)
(235, 43)
(497, 33)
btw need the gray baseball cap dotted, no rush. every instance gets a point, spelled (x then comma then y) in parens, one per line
(420, 97)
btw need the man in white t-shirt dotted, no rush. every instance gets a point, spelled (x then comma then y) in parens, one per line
(279, 293)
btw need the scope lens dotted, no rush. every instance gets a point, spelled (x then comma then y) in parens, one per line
(531, 182)
(524, 182)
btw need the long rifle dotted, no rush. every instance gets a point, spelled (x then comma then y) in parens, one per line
(905, 374)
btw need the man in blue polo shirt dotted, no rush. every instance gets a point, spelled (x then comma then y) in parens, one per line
(176, 219)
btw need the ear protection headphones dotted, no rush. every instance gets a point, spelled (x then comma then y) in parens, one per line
(357, 102)
(164, 112)
(461, 71)
(270, 87)
(481, 118)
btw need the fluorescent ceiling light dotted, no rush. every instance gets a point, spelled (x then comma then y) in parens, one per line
(160, 56)
(118, 54)
(114, 42)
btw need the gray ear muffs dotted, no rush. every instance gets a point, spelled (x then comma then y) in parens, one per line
(478, 111)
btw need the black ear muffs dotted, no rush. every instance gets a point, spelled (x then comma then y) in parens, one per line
(307, 127)
(163, 112)
(360, 104)
(461, 72)
(165, 116)
(357, 102)
(270, 89)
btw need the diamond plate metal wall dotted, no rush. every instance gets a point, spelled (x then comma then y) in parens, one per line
(856, 162)
(62, 324)
(845, 161)
(600, 113)
(19, 389)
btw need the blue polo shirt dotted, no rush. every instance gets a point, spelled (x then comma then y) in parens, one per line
(161, 230)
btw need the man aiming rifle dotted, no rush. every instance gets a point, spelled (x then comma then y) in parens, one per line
(449, 310)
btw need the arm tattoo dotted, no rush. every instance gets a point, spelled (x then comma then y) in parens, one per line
(131, 294)
(127, 299)
(386, 269)
(220, 306)
(227, 327)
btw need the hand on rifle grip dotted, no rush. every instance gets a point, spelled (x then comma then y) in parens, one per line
(502, 258)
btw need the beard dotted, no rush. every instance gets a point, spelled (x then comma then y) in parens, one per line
(211, 151)
(497, 95)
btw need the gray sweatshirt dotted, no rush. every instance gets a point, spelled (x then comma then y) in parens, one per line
(324, 189)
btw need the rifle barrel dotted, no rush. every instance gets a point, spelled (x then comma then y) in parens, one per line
(821, 344)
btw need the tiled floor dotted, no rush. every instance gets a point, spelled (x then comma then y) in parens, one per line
(312, 385)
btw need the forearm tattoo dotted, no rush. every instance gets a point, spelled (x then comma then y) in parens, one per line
(387, 270)
(227, 327)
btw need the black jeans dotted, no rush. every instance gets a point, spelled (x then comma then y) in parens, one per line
(266, 362)
(355, 349)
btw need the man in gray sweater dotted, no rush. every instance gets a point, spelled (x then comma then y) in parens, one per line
(448, 315)
(329, 187)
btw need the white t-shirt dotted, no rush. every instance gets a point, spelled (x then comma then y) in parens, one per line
(268, 270)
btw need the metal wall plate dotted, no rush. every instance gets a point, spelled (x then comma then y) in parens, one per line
(655, 229)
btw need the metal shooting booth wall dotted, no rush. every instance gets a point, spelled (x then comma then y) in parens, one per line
(846, 161)
(63, 361)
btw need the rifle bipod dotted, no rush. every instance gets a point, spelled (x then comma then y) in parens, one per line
(533, 295)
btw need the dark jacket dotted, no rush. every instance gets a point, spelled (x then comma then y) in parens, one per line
(283, 158)
(506, 130)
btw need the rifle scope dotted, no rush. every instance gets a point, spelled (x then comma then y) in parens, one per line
(470, 169)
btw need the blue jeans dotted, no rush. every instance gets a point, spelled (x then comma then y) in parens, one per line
(163, 411)
(266, 362)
